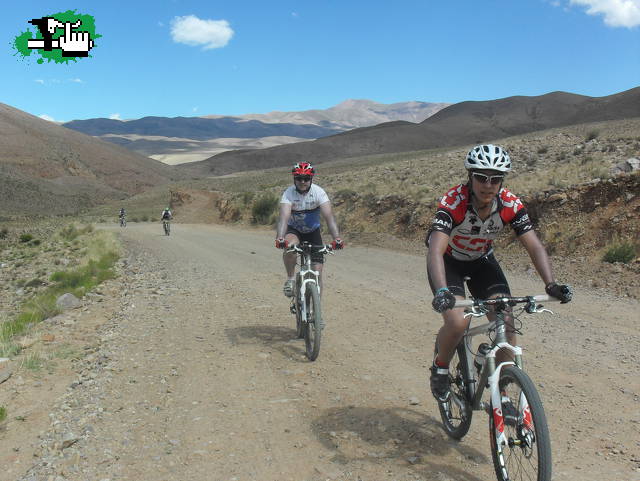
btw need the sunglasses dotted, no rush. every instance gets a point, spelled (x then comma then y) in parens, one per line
(306, 178)
(483, 179)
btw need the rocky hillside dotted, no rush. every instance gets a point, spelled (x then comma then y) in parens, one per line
(459, 124)
(45, 168)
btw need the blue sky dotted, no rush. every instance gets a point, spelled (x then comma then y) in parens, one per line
(199, 57)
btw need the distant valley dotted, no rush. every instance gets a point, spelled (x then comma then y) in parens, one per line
(186, 139)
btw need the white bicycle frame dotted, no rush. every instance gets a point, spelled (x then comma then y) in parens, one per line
(490, 373)
(308, 276)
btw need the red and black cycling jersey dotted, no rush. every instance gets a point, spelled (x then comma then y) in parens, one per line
(470, 237)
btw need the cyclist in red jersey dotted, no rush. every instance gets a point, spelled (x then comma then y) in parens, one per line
(460, 244)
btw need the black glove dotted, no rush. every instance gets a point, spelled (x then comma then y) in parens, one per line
(443, 300)
(559, 291)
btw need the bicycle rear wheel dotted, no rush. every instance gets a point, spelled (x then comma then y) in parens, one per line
(313, 324)
(456, 412)
(527, 454)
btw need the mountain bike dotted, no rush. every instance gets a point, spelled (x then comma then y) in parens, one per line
(166, 225)
(305, 303)
(518, 431)
(123, 222)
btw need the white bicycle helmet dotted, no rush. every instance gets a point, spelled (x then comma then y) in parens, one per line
(488, 156)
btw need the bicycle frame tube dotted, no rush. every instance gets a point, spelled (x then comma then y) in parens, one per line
(490, 373)
(308, 276)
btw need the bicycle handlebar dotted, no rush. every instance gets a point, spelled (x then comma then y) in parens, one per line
(322, 249)
(505, 300)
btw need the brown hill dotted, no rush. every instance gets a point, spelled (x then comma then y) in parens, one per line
(460, 124)
(46, 167)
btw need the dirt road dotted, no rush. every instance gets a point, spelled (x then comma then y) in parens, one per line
(197, 375)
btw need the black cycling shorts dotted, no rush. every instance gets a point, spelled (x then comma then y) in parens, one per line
(313, 238)
(486, 277)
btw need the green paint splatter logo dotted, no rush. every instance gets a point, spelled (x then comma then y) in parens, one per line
(60, 37)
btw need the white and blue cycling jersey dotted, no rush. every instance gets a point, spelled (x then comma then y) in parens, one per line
(305, 208)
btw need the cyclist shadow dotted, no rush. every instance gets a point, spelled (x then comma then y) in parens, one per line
(282, 339)
(398, 435)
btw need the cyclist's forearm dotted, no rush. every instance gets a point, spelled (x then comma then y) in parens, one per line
(542, 263)
(333, 227)
(282, 228)
(435, 269)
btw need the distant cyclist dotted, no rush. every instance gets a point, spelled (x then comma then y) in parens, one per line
(122, 216)
(460, 244)
(166, 214)
(301, 206)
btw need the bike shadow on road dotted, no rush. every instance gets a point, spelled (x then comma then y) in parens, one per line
(279, 338)
(383, 436)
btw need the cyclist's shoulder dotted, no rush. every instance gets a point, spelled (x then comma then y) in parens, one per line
(508, 196)
(455, 199)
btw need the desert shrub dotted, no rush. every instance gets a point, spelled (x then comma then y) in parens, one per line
(593, 134)
(36, 242)
(69, 232)
(145, 218)
(247, 197)
(346, 193)
(3, 413)
(25, 238)
(34, 283)
(562, 155)
(543, 150)
(264, 208)
(4, 232)
(622, 251)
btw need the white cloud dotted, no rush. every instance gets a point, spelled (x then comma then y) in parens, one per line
(294, 14)
(193, 31)
(194, 109)
(115, 116)
(47, 117)
(76, 80)
(617, 13)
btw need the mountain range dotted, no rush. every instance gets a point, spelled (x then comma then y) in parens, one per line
(47, 168)
(464, 123)
(185, 139)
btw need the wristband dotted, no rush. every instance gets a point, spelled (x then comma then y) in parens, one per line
(442, 289)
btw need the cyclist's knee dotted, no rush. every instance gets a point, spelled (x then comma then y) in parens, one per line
(292, 239)
(454, 321)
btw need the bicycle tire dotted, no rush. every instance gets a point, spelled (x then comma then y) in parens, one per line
(527, 454)
(456, 413)
(312, 326)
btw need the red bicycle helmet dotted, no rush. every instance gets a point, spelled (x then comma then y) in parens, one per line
(303, 168)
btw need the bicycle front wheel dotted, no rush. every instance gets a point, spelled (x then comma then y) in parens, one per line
(456, 412)
(527, 454)
(313, 324)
